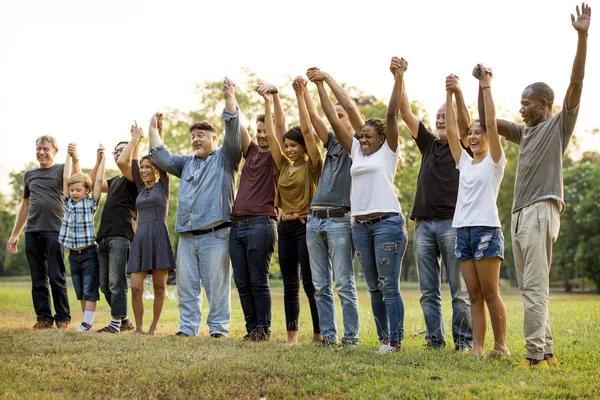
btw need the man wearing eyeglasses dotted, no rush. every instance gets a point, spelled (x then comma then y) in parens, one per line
(115, 234)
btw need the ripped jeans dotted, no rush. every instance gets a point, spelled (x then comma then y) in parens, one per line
(380, 248)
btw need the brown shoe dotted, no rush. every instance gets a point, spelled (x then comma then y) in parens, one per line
(43, 324)
(63, 324)
(127, 325)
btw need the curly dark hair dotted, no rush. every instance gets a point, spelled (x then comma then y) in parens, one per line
(150, 160)
(295, 134)
(378, 124)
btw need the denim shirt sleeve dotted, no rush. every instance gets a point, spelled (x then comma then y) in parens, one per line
(232, 145)
(168, 162)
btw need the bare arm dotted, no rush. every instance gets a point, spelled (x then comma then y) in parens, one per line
(305, 126)
(581, 25)
(94, 172)
(130, 151)
(246, 139)
(342, 97)
(411, 121)
(67, 173)
(451, 130)
(20, 222)
(100, 177)
(391, 135)
(72, 150)
(274, 143)
(490, 110)
(280, 122)
(463, 119)
(315, 118)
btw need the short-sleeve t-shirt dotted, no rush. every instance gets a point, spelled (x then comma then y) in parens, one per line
(478, 191)
(541, 153)
(373, 187)
(118, 216)
(334, 186)
(437, 184)
(44, 189)
(295, 189)
(256, 193)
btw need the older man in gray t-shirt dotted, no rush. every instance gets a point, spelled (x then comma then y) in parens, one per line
(538, 200)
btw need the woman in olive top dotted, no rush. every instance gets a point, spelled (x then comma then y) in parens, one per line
(299, 167)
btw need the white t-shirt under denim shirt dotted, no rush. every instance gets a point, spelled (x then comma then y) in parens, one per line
(478, 188)
(373, 189)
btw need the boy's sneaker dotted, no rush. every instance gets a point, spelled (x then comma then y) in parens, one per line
(127, 325)
(84, 327)
(531, 364)
(551, 360)
(108, 329)
(43, 324)
(387, 347)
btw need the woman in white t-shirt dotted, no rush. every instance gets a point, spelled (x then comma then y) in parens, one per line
(379, 230)
(479, 240)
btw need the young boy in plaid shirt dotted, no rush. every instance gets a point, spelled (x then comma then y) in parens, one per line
(77, 234)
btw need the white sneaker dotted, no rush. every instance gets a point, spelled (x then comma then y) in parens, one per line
(84, 327)
(386, 348)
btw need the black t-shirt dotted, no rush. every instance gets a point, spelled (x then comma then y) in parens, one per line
(437, 185)
(118, 217)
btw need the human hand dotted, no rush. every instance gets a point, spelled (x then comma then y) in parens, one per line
(136, 132)
(159, 123)
(72, 150)
(228, 88)
(398, 66)
(299, 83)
(483, 74)
(314, 75)
(99, 154)
(266, 88)
(11, 245)
(452, 84)
(582, 22)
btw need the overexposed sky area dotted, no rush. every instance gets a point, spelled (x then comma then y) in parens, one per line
(82, 71)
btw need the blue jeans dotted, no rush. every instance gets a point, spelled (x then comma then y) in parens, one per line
(84, 273)
(380, 248)
(45, 256)
(435, 239)
(251, 245)
(112, 260)
(330, 250)
(204, 258)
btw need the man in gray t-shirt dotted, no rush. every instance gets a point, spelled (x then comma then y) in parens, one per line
(538, 200)
(42, 210)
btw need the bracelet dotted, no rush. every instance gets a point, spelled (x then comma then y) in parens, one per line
(485, 87)
(75, 160)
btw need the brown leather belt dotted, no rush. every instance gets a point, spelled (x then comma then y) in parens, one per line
(374, 220)
(197, 232)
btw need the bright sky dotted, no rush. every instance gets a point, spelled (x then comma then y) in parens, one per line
(83, 71)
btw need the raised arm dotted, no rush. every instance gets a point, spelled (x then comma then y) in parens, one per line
(232, 142)
(68, 170)
(463, 119)
(451, 130)
(339, 128)
(309, 140)
(100, 175)
(274, 144)
(343, 98)
(130, 151)
(280, 120)
(581, 25)
(411, 121)
(391, 135)
(315, 119)
(72, 150)
(94, 171)
(491, 128)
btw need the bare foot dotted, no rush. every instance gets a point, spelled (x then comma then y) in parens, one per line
(292, 338)
(152, 331)
(138, 331)
(317, 338)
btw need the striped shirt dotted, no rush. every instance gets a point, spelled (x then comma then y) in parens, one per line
(77, 227)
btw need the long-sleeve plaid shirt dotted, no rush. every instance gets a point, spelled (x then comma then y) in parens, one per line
(77, 227)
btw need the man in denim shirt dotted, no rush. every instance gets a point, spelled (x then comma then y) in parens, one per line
(204, 218)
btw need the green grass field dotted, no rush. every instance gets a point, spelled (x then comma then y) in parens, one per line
(40, 364)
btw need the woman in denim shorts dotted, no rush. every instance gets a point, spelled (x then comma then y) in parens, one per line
(479, 239)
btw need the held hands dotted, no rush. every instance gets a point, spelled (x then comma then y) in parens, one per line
(136, 132)
(398, 66)
(582, 22)
(72, 150)
(483, 74)
(228, 88)
(99, 154)
(159, 123)
(266, 90)
(315, 75)
(452, 84)
(299, 84)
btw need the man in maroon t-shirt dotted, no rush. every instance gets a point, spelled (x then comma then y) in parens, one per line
(254, 229)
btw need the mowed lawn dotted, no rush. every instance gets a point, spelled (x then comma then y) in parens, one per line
(51, 363)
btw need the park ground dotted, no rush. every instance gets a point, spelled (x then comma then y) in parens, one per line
(68, 364)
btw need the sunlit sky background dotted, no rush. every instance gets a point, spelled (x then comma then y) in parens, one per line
(83, 71)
